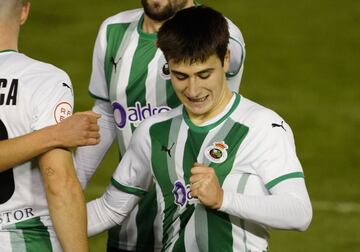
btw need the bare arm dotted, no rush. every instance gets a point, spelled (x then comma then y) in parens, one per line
(77, 130)
(65, 199)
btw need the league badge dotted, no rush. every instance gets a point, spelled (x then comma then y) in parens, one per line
(62, 111)
(217, 152)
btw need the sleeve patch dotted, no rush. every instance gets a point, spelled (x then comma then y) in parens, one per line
(62, 111)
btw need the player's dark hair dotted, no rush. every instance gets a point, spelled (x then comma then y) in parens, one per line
(194, 34)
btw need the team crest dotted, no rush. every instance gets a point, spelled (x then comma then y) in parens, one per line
(217, 152)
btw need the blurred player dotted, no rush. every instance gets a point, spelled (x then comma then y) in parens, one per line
(131, 81)
(225, 168)
(42, 206)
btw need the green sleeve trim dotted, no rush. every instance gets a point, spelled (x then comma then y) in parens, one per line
(126, 189)
(98, 97)
(276, 181)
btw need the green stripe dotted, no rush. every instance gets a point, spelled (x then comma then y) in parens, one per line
(219, 231)
(131, 190)
(219, 223)
(184, 220)
(98, 97)
(211, 126)
(276, 181)
(33, 233)
(159, 134)
(136, 88)
(145, 219)
(233, 139)
(114, 35)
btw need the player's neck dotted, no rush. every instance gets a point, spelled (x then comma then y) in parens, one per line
(8, 38)
(151, 26)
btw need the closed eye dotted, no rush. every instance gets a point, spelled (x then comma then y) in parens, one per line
(180, 76)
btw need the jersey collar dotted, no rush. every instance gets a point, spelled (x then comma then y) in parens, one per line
(207, 128)
(7, 50)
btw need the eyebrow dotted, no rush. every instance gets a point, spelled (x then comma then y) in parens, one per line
(200, 72)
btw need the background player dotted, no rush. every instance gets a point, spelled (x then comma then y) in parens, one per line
(220, 151)
(33, 96)
(131, 81)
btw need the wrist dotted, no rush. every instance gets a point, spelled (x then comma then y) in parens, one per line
(219, 202)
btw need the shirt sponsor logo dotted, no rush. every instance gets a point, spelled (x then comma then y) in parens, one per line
(16, 215)
(182, 194)
(136, 114)
(217, 152)
(62, 111)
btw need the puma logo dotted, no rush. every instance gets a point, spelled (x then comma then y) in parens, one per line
(166, 149)
(278, 125)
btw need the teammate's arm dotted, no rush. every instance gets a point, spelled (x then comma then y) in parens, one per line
(77, 130)
(65, 199)
(88, 158)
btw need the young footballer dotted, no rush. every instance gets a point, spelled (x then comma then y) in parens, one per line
(131, 81)
(224, 167)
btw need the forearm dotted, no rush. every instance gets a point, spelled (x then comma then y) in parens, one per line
(20, 149)
(283, 210)
(68, 214)
(65, 199)
(109, 210)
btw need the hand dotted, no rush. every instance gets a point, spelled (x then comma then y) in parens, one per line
(205, 186)
(78, 130)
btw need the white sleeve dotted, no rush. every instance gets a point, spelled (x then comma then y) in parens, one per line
(130, 181)
(237, 57)
(88, 158)
(52, 100)
(98, 85)
(109, 210)
(288, 206)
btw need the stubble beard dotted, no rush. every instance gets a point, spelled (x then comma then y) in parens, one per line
(157, 13)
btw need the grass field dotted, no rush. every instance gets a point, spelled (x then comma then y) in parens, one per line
(303, 61)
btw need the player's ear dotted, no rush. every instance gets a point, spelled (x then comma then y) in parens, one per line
(226, 61)
(25, 9)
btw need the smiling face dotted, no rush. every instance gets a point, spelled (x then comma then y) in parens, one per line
(201, 86)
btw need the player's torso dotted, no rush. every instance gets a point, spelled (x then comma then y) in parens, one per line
(176, 146)
(137, 76)
(22, 82)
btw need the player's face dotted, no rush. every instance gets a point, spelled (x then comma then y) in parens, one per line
(201, 87)
(161, 10)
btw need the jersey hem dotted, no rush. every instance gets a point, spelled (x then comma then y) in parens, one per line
(276, 181)
(131, 190)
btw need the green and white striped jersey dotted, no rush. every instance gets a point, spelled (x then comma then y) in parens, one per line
(33, 95)
(251, 149)
(131, 73)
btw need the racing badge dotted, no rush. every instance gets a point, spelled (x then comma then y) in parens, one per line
(217, 152)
